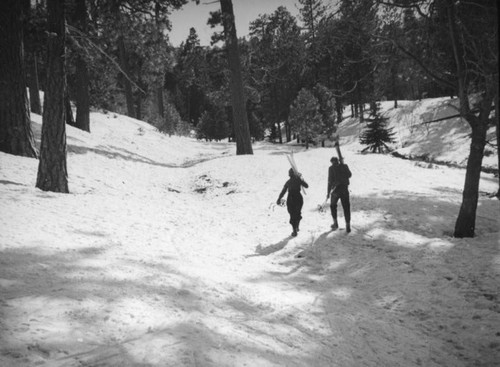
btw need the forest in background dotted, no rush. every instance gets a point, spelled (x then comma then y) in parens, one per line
(293, 76)
(343, 55)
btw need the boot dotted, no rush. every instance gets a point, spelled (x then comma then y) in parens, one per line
(348, 227)
(335, 225)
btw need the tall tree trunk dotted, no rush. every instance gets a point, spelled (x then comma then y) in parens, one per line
(31, 64)
(52, 170)
(82, 97)
(340, 110)
(497, 117)
(241, 129)
(159, 101)
(16, 136)
(34, 86)
(394, 86)
(138, 107)
(123, 61)
(123, 57)
(139, 98)
(161, 80)
(466, 221)
(288, 131)
(68, 111)
(280, 137)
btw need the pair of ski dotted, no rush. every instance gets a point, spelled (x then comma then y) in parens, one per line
(334, 137)
(322, 208)
(291, 160)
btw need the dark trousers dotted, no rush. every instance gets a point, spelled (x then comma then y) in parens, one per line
(294, 206)
(342, 193)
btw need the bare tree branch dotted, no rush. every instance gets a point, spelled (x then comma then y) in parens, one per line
(419, 62)
(83, 35)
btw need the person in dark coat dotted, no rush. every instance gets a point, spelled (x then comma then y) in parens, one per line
(338, 188)
(294, 200)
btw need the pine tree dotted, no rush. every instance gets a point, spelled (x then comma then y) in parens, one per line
(275, 61)
(311, 13)
(376, 134)
(305, 117)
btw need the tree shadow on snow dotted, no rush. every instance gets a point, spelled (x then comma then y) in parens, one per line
(392, 278)
(113, 152)
(268, 250)
(81, 287)
(103, 313)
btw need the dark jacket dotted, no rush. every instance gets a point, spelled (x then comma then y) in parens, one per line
(293, 186)
(338, 176)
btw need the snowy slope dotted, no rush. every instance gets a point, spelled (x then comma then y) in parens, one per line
(417, 137)
(169, 252)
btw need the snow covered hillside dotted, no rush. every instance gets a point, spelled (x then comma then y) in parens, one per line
(170, 252)
(418, 137)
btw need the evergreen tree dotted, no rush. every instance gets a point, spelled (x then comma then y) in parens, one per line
(305, 116)
(326, 107)
(170, 123)
(376, 134)
(191, 79)
(132, 36)
(357, 25)
(213, 125)
(312, 13)
(275, 61)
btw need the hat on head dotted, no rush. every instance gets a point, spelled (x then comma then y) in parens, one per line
(334, 159)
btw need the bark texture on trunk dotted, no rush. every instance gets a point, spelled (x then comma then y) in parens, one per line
(240, 119)
(52, 170)
(16, 136)
(82, 97)
(466, 221)
(465, 224)
(127, 85)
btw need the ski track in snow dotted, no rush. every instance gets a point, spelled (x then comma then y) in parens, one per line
(169, 252)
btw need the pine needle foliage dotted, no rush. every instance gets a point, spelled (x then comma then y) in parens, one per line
(305, 116)
(376, 134)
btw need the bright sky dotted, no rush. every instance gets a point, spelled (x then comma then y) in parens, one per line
(245, 11)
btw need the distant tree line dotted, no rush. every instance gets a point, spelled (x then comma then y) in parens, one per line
(291, 78)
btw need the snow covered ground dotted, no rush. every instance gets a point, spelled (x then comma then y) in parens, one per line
(169, 252)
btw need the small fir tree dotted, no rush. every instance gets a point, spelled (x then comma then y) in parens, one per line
(376, 133)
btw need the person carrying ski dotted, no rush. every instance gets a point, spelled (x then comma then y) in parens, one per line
(294, 200)
(338, 188)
